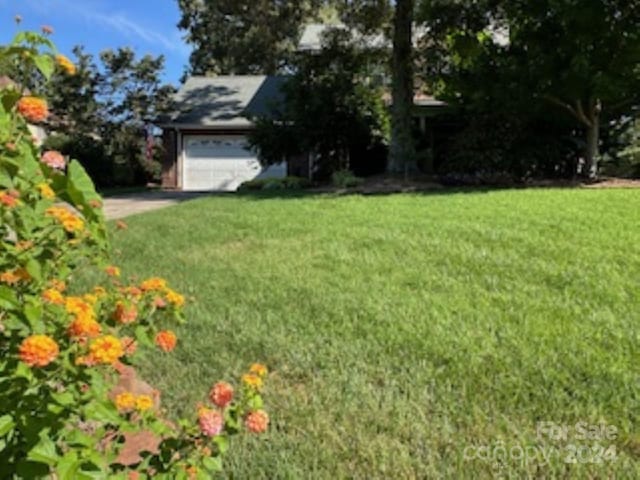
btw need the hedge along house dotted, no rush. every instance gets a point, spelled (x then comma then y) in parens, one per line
(205, 138)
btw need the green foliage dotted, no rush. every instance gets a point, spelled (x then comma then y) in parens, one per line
(515, 56)
(506, 146)
(62, 354)
(345, 179)
(332, 108)
(287, 183)
(623, 159)
(232, 37)
(90, 152)
(103, 110)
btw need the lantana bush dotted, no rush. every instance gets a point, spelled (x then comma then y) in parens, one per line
(65, 412)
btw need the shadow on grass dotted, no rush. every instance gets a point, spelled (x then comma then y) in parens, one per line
(441, 191)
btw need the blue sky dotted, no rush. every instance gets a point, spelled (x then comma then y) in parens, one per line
(147, 26)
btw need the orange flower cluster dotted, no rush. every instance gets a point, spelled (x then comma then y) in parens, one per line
(69, 221)
(127, 401)
(166, 340)
(154, 283)
(84, 324)
(58, 285)
(9, 199)
(106, 350)
(84, 327)
(38, 350)
(66, 64)
(257, 422)
(112, 271)
(33, 109)
(125, 314)
(13, 277)
(221, 394)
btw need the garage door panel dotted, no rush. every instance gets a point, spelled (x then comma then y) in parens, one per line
(221, 163)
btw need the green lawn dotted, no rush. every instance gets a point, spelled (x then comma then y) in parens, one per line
(402, 330)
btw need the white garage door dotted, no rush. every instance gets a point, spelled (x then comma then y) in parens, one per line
(222, 163)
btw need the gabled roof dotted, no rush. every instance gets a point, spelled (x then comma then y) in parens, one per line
(225, 101)
(313, 36)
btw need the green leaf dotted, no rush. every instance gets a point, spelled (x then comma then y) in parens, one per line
(143, 337)
(81, 190)
(222, 442)
(6, 424)
(44, 451)
(68, 466)
(103, 412)
(8, 299)
(34, 269)
(46, 64)
(33, 313)
(65, 398)
(212, 464)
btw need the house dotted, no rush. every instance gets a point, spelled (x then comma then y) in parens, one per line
(205, 138)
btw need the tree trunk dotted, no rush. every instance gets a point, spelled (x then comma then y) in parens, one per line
(402, 155)
(592, 152)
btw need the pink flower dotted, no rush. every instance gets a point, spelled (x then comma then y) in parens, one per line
(53, 159)
(47, 30)
(210, 422)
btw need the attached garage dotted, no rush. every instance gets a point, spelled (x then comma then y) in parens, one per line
(206, 138)
(221, 163)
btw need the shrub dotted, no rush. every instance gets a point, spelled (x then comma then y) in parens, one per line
(91, 155)
(287, 183)
(345, 179)
(64, 412)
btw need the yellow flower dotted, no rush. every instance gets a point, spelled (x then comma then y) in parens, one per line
(154, 283)
(259, 369)
(106, 349)
(144, 402)
(252, 381)
(53, 296)
(125, 401)
(66, 64)
(78, 306)
(90, 298)
(46, 191)
(175, 298)
(70, 222)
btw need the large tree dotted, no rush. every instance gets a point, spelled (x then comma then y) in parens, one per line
(402, 158)
(240, 37)
(331, 108)
(582, 57)
(101, 114)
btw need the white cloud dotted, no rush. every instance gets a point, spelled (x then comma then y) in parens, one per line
(115, 21)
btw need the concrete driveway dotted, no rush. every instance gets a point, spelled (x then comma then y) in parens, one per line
(121, 206)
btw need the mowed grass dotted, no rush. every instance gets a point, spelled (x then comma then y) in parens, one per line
(402, 329)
